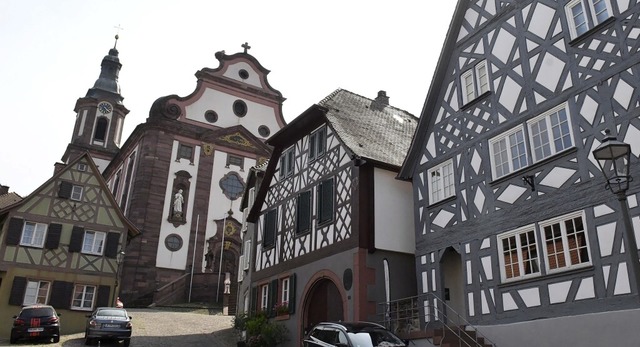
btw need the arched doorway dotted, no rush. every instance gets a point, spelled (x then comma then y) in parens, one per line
(452, 273)
(323, 303)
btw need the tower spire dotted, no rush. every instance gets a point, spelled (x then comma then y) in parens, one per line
(107, 83)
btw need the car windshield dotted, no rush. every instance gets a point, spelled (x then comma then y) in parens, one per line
(36, 312)
(111, 313)
(376, 338)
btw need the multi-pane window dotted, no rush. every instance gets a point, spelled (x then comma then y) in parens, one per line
(550, 133)
(303, 212)
(185, 152)
(83, 297)
(317, 143)
(287, 163)
(264, 297)
(583, 15)
(33, 234)
(76, 193)
(284, 291)
(37, 292)
(508, 152)
(519, 254)
(93, 242)
(270, 226)
(441, 181)
(235, 160)
(475, 82)
(565, 241)
(325, 201)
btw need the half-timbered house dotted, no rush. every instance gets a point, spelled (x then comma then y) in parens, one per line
(61, 245)
(514, 228)
(333, 228)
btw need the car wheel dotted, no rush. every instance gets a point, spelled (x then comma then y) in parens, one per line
(56, 339)
(13, 340)
(127, 342)
(88, 341)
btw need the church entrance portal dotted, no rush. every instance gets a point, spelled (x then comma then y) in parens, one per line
(323, 303)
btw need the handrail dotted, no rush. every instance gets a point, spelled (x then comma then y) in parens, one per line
(403, 315)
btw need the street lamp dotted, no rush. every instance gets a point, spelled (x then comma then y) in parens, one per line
(119, 259)
(613, 157)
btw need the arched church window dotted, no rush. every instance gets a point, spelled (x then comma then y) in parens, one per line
(232, 185)
(101, 129)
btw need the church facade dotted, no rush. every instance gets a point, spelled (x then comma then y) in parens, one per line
(180, 175)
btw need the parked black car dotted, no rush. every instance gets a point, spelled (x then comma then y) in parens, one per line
(108, 323)
(36, 322)
(345, 334)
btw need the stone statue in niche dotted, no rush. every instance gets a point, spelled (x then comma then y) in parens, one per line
(178, 201)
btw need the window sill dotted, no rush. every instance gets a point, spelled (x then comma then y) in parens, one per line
(303, 233)
(575, 41)
(474, 101)
(534, 166)
(442, 202)
(282, 317)
(574, 271)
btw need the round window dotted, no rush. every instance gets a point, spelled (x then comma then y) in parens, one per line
(243, 74)
(264, 131)
(173, 242)
(240, 108)
(211, 116)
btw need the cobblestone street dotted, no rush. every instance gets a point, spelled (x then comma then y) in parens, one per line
(159, 328)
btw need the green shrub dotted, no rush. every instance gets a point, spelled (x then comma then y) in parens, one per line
(260, 331)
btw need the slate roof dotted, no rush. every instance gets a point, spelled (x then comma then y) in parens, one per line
(371, 129)
(9, 199)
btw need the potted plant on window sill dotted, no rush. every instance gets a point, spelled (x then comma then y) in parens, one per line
(281, 310)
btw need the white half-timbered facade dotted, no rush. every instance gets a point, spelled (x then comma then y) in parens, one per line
(512, 219)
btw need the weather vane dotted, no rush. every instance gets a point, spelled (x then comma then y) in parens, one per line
(117, 35)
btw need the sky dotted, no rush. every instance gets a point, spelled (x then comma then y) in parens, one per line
(50, 55)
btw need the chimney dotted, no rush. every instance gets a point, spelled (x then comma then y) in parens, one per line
(4, 189)
(382, 98)
(57, 167)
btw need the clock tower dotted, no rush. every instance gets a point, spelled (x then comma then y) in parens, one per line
(99, 116)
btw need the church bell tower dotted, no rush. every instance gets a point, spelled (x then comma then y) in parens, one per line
(99, 116)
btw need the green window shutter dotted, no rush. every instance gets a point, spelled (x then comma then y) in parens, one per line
(61, 294)
(253, 300)
(14, 232)
(292, 294)
(273, 298)
(304, 212)
(77, 236)
(270, 222)
(64, 190)
(325, 203)
(17, 291)
(104, 293)
(53, 236)
(111, 248)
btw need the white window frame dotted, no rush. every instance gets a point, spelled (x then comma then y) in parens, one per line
(589, 13)
(521, 268)
(84, 297)
(287, 162)
(319, 140)
(547, 118)
(566, 251)
(247, 255)
(33, 294)
(284, 296)
(93, 242)
(445, 186)
(264, 297)
(240, 270)
(474, 83)
(76, 192)
(36, 236)
(507, 137)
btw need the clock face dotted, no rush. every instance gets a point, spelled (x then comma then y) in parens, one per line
(104, 107)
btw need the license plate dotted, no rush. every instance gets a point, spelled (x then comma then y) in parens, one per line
(35, 330)
(110, 325)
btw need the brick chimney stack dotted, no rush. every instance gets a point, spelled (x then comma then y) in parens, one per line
(4, 189)
(382, 98)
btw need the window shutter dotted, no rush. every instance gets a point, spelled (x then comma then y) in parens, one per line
(14, 232)
(77, 235)
(270, 222)
(253, 300)
(61, 293)
(312, 146)
(111, 249)
(65, 190)
(53, 236)
(304, 211)
(273, 298)
(104, 292)
(322, 141)
(17, 291)
(326, 203)
(292, 294)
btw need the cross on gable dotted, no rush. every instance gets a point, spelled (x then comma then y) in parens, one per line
(246, 47)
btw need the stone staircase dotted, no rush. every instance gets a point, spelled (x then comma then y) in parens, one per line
(456, 337)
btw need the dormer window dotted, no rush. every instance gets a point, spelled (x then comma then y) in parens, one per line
(475, 82)
(583, 15)
(317, 143)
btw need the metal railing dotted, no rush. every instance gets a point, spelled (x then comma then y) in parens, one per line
(405, 316)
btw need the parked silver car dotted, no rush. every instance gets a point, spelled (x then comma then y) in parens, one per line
(108, 323)
(351, 334)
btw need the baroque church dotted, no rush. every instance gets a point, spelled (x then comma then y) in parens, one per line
(180, 175)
